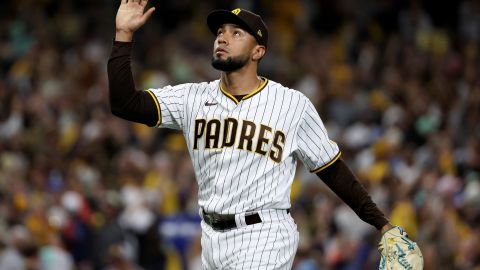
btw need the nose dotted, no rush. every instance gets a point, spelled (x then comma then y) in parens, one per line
(221, 39)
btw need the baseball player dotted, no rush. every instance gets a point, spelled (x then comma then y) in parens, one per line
(244, 134)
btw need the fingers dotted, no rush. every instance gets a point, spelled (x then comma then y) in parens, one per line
(140, 2)
(131, 1)
(143, 3)
(147, 14)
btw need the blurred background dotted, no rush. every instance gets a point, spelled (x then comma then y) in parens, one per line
(396, 82)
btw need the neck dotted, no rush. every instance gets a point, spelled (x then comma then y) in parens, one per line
(240, 82)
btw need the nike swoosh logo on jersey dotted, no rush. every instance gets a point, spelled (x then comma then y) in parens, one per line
(210, 103)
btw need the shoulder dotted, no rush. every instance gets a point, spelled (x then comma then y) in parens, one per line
(192, 86)
(189, 88)
(290, 92)
(202, 86)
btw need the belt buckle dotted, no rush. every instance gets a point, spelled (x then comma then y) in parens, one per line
(216, 221)
(210, 218)
(215, 218)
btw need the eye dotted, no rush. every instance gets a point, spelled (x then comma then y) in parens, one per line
(219, 32)
(237, 33)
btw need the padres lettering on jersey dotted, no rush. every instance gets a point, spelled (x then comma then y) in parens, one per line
(244, 152)
(251, 137)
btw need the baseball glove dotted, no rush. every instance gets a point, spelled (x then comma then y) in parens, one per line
(398, 252)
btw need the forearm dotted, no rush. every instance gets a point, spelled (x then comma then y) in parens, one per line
(340, 179)
(125, 101)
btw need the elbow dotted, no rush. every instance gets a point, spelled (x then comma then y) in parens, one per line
(118, 105)
(131, 116)
(117, 112)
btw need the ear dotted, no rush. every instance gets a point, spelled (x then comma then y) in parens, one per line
(258, 52)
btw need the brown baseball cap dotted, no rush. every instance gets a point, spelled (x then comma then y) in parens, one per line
(247, 20)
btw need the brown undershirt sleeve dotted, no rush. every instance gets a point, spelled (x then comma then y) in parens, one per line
(125, 101)
(340, 179)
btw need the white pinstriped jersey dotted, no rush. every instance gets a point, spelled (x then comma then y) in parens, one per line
(244, 153)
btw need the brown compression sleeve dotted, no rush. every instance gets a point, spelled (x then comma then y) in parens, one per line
(340, 179)
(125, 101)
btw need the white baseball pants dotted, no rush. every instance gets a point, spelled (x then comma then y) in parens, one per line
(271, 244)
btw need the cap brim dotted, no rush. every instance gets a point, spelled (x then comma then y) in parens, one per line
(217, 18)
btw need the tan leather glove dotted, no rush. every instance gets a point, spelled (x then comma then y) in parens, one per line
(398, 252)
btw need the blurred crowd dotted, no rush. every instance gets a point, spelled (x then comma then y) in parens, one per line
(396, 82)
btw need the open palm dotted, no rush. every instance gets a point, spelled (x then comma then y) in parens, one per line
(131, 15)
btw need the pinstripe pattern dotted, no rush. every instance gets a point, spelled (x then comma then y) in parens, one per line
(268, 245)
(236, 179)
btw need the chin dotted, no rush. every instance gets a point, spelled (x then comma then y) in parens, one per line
(221, 57)
(229, 63)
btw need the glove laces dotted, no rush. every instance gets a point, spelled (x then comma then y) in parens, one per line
(401, 258)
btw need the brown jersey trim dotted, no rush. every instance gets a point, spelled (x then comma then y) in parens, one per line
(157, 104)
(230, 96)
(328, 164)
(256, 91)
(260, 88)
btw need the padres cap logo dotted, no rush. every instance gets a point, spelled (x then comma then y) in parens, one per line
(246, 19)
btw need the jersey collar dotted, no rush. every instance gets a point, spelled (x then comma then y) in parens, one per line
(256, 91)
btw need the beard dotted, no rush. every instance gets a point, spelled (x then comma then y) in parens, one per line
(229, 64)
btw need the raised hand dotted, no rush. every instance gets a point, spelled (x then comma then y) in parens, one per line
(130, 17)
